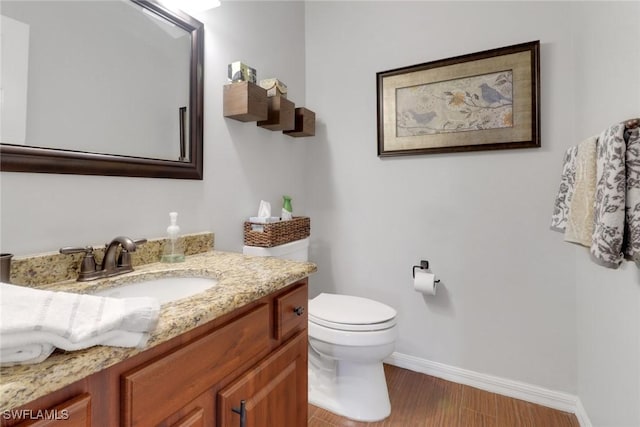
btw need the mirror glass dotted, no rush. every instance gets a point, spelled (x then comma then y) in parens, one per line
(117, 84)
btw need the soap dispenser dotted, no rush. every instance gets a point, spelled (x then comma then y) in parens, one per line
(173, 247)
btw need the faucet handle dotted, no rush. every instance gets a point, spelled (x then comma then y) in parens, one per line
(124, 259)
(140, 241)
(135, 242)
(76, 250)
(88, 264)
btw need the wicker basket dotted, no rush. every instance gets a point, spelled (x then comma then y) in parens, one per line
(277, 233)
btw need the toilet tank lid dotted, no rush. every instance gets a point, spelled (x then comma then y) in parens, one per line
(349, 310)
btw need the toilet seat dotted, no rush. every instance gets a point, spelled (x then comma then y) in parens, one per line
(351, 327)
(350, 313)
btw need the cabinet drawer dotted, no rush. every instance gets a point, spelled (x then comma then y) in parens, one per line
(74, 412)
(291, 312)
(155, 391)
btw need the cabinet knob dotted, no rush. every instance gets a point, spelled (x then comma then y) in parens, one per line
(242, 411)
(299, 310)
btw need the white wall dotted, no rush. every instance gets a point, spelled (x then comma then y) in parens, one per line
(607, 64)
(507, 304)
(242, 163)
(245, 163)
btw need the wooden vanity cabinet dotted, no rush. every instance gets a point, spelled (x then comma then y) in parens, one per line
(256, 354)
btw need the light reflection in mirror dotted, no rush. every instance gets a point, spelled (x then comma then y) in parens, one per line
(30, 143)
(117, 89)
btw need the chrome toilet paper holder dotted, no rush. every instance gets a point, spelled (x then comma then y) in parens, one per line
(424, 265)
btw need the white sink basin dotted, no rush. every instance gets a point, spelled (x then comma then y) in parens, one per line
(165, 289)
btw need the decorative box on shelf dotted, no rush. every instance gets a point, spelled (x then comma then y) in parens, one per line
(274, 87)
(281, 114)
(245, 101)
(277, 233)
(240, 72)
(305, 123)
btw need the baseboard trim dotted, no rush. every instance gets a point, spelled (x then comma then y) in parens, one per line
(582, 416)
(516, 389)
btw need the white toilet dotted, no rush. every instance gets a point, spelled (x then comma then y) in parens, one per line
(348, 339)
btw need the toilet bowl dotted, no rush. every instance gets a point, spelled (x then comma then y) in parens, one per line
(349, 337)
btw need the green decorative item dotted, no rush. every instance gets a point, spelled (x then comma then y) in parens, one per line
(287, 210)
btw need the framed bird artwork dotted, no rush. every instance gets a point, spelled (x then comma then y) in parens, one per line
(480, 101)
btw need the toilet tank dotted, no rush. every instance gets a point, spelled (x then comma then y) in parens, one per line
(297, 250)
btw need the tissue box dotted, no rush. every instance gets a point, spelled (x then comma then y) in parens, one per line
(277, 233)
(240, 72)
(274, 87)
(257, 223)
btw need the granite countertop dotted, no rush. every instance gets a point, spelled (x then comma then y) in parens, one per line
(241, 280)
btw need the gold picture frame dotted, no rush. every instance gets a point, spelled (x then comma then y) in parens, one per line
(481, 101)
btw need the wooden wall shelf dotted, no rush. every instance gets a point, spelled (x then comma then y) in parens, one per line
(245, 101)
(281, 114)
(248, 102)
(305, 123)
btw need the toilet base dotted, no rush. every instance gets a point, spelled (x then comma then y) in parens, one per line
(354, 390)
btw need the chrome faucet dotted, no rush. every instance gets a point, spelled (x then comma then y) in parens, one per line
(110, 266)
(109, 260)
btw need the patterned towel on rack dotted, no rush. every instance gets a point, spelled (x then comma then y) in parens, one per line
(609, 212)
(579, 227)
(580, 216)
(632, 209)
(565, 193)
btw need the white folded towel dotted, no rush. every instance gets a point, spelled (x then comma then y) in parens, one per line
(34, 347)
(26, 354)
(32, 318)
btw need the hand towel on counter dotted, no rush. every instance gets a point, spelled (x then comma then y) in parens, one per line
(30, 318)
(34, 347)
(579, 225)
(609, 213)
(565, 193)
(115, 338)
(632, 209)
(25, 354)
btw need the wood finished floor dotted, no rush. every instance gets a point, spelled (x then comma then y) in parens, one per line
(418, 400)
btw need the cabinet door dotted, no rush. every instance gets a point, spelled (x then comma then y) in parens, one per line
(195, 418)
(274, 391)
(198, 413)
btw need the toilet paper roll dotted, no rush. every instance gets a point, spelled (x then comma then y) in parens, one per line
(425, 282)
